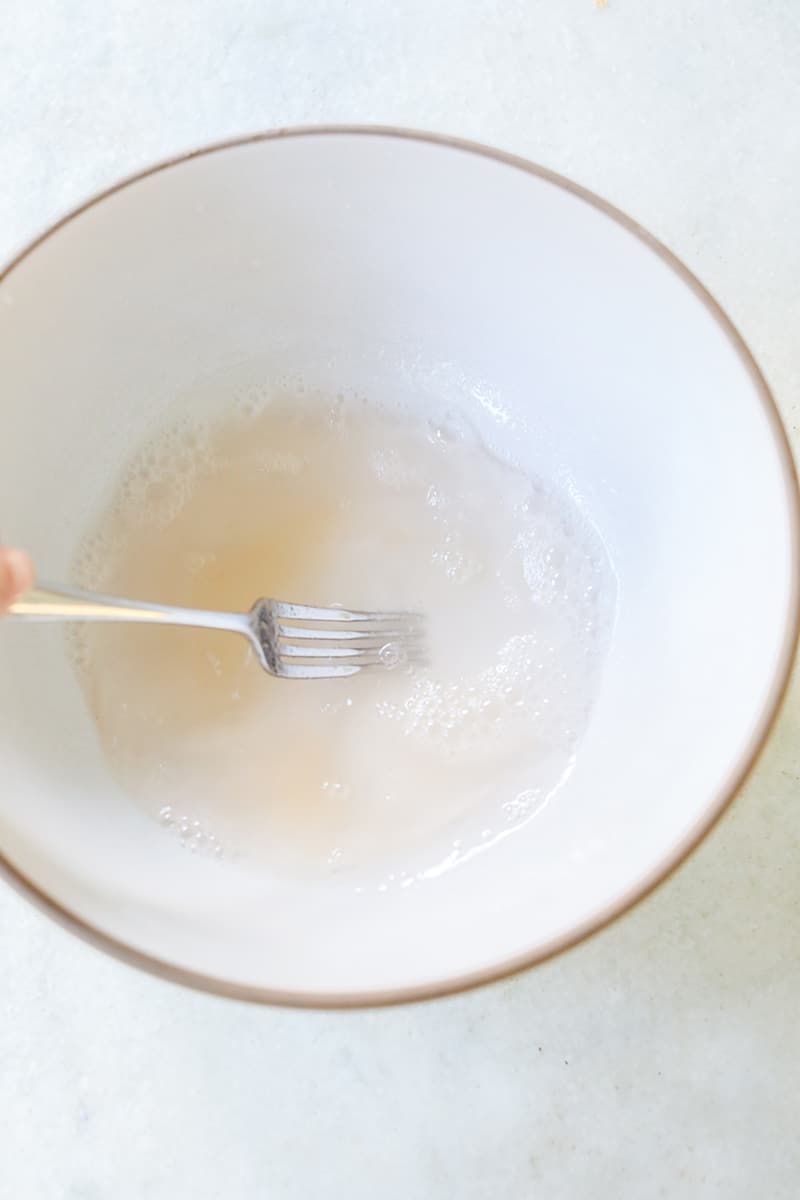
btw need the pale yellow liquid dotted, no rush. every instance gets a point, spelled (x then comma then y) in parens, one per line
(327, 502)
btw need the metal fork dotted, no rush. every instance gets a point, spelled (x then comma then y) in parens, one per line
(292, 641)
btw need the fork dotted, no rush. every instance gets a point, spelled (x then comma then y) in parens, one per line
(291, 641)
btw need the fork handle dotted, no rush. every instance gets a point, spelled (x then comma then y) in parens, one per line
(49, 602)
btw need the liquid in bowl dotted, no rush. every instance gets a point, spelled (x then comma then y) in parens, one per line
(387, 778)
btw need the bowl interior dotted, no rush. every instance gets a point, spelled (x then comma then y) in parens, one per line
(401, 266)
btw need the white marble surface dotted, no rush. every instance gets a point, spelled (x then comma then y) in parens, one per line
(662, 1059)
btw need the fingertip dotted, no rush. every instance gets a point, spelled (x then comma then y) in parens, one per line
(16, 574)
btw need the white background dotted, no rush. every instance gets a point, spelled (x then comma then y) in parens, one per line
(662, 1059)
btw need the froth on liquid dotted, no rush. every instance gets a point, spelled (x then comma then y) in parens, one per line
(338, 502)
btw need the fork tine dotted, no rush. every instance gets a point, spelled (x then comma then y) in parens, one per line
(389, 652)
(335, 654)
(305, 612)
(354, 637)
(303, 671)
(292, 669)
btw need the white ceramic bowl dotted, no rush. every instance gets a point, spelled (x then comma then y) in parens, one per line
(627, 381)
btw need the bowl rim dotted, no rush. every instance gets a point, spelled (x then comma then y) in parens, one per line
(737, 775)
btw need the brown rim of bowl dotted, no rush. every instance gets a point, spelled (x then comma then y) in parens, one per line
(736, 777)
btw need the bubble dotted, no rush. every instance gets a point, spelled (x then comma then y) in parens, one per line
(335, 790)
(523, 805)
(190, 833)
(452, 429)
(392, 469)
(392, 655)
